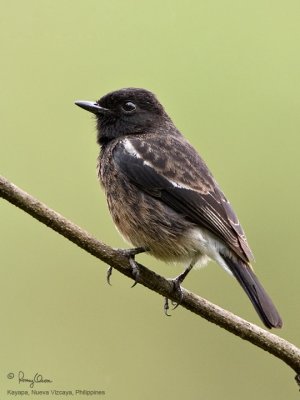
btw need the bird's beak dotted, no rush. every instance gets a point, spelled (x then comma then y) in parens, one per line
(92, 107)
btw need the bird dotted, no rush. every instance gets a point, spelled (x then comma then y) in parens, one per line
(162, 197)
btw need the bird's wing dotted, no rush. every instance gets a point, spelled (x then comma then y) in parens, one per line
(171, 170)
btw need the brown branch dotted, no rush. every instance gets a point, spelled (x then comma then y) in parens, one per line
(274, 344)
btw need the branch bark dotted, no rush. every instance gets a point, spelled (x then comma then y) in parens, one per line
(267, 341)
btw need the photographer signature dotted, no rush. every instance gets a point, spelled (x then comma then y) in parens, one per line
(38, 378)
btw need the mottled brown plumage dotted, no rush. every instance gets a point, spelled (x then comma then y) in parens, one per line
(162, 196)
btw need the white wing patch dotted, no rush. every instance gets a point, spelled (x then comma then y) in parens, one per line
(133, 152)
(130, 148)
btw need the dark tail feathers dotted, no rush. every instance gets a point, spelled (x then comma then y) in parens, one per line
(256, 293)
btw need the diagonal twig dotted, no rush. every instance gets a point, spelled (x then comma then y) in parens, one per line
(267, 341)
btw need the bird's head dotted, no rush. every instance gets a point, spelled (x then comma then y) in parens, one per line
(125, 112)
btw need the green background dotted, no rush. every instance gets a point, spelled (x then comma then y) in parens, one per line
(228, 74)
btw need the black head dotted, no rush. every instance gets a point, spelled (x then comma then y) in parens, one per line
(125, 112)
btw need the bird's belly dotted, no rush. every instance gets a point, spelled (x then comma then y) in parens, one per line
(145, 221)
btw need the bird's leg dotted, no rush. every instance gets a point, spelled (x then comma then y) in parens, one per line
(130, 254)
(177, 287)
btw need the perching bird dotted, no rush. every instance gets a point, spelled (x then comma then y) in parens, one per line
(162, 196)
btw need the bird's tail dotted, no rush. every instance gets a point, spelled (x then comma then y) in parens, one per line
(256, 293)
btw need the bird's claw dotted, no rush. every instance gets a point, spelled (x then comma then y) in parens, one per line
(166, 307)
(176, 288)
(135, 271)
(130, 254)
(108, 275)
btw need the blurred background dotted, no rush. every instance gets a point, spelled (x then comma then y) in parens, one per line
(228, 74)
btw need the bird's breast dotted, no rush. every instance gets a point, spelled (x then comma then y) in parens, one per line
(141, 219)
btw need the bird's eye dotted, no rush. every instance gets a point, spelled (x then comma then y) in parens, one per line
(129, 107)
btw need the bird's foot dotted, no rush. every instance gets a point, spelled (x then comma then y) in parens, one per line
(177, 289)
(130, 254)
